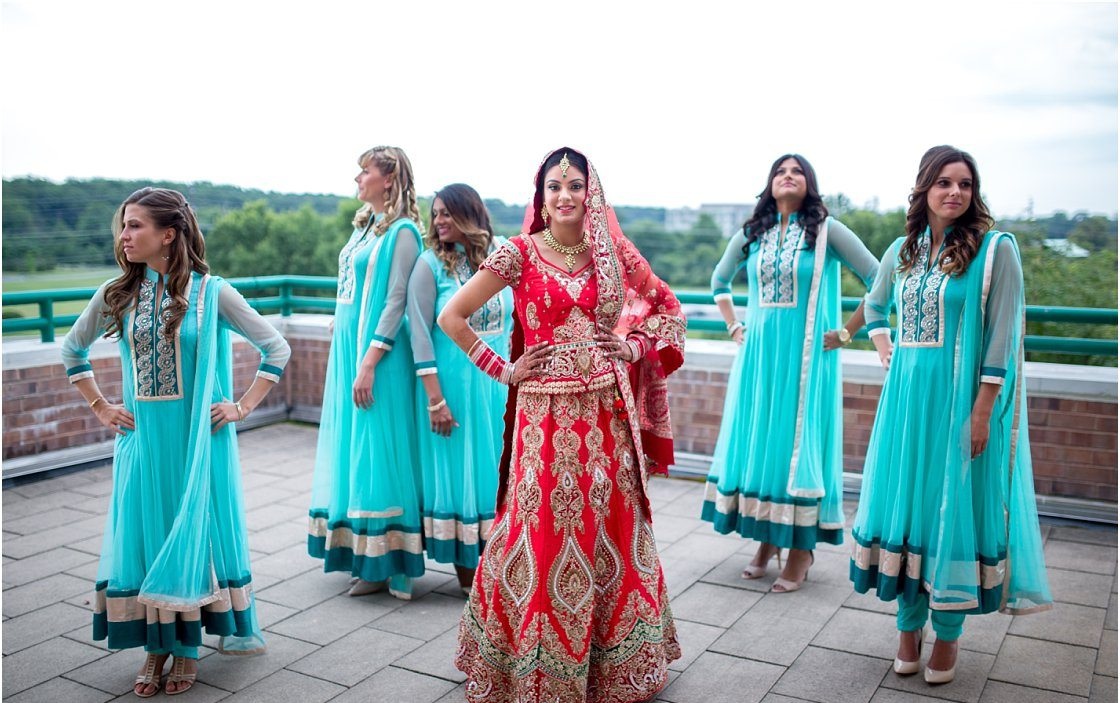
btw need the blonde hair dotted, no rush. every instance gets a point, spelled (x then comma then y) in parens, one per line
(400, 198)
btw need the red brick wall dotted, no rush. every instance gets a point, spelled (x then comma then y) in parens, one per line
(42, 412)
(1073, 442)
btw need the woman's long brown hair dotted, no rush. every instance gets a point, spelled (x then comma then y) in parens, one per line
(168, 209)
(962, 241)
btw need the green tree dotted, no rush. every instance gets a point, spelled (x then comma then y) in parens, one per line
(1095, 233)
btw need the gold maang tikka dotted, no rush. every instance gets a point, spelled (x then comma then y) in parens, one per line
(564, 164)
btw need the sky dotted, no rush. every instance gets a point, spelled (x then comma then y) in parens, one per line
(676, 103)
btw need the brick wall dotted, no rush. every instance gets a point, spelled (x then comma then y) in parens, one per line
(1073, 438)
(1073, 441)
(43, 412)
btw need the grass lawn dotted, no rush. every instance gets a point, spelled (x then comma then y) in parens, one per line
(53, 280)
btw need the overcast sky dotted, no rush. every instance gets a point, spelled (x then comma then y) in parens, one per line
(677, 104)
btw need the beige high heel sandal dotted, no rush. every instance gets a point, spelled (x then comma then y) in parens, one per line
(782, 585)
(180, 675)
(908, 668)
(149, 675)
(758, 571)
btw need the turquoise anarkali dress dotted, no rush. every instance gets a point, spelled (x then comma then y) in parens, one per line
(459, 472)
(777, 469)
(175, 555)
(365, 508)
(934, 523)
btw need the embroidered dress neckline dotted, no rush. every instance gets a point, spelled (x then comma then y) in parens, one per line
(155, 276)
(569, 274)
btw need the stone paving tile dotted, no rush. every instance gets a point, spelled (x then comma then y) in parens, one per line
(670, 528)
(287, 687)
(1105, 536)
(45, 540)
(56, 484)
(1106, 656)
(715, 678)
(770, 638)
(265, 495)
(714, 548)
(1110, 617)
(38, 594)
(1071, 624)
(681, 573)
(1047, 665)
(43, 624)
(713, 605)
(231, 673)
(278, 538)
(694, 638)
(1079, 587)
(268, 614)
(89, 545)
(45, 520)
(868, 601)
(94, 506)
(327, 621)
(1076, 556)
(43, 662)
(424, 618)
(276, 514)
(356, 656)
(1000, 692)
(198, 693)
(20, 571)
(688, 504)
(729, 572)
(981, 634)
(1104, 690)
(815, 603)
(829, 676)
(890, 695)
(115, 673)
(306, 590)
(859, 632)
(394, 684)
(57, 690)
(667, 489)
(458, 695)
(287, 562)
(436, 658)
(967, 686)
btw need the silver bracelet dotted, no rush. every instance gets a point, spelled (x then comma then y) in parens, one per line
(442, 403)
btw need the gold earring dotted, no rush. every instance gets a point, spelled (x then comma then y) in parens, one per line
(544, 214)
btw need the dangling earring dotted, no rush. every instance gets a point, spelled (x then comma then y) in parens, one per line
(544, 214)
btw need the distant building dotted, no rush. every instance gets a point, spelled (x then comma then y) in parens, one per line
(729, 217)
(1066, 248)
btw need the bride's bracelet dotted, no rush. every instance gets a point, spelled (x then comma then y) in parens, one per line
(639, 346)
(490, 362)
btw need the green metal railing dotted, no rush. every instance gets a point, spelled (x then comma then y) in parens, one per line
(286, 301)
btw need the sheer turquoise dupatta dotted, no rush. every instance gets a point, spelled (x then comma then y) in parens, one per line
(986, 562)
(204, 562)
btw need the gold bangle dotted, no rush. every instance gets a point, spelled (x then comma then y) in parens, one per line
(240, 411)
(437, 406)
(93, 403)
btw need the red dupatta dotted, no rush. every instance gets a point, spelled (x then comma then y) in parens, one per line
(631, 300)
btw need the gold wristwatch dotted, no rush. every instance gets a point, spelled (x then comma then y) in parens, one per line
(844, 335)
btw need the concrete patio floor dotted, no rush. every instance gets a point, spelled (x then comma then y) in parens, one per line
(823, 643)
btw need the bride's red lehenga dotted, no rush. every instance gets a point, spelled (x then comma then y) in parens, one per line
(569, 603)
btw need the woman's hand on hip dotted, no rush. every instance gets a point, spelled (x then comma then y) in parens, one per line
(115, 417)
(531, 363)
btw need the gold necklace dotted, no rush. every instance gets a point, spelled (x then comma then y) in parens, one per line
(569, 252)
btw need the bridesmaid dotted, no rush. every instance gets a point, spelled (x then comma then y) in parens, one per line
(460, 408)
(947, 522)
(365, 511)
(777, 471)
(175, 555)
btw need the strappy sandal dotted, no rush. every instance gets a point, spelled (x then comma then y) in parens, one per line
(782, 585)
(179, 675)
(754, 571)
(149, 676)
